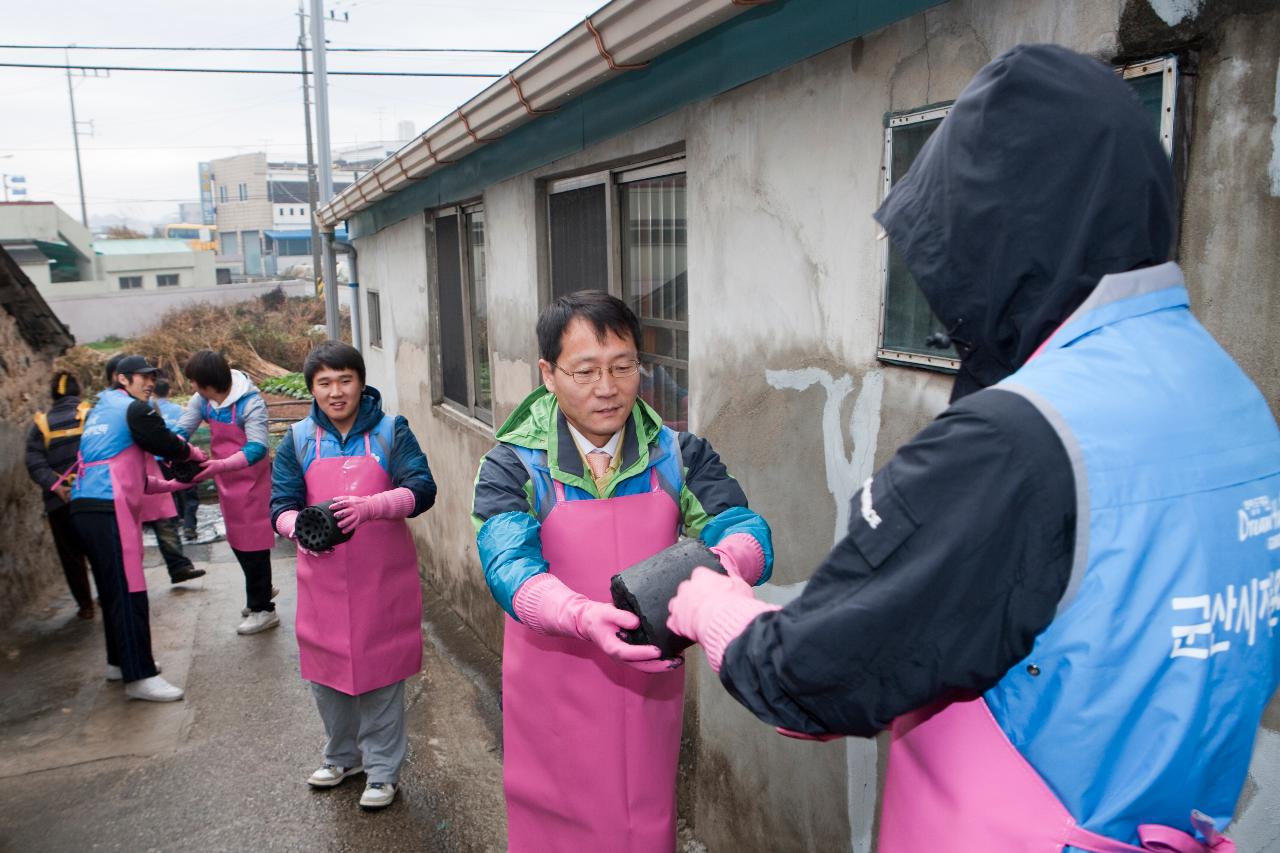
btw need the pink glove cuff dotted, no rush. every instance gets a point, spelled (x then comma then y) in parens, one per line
(395, 503)
(195, 454)
(729, 618)
(234, 462)
(741, 556)
(538, 600)
(285, 522)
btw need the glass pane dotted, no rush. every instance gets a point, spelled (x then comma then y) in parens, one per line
(579, 244)
(908, 320)
(655, 285)
(1150, 91)
(479, 318)
(453, 347)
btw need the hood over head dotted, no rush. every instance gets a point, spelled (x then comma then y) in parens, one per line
(1045, 176)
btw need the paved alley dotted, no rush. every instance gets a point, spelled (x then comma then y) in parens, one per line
(86, 769)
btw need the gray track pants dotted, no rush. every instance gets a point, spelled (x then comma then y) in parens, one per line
(366, 729)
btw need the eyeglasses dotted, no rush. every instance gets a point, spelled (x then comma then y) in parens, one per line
(591, 375)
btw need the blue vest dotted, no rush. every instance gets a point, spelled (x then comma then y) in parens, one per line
(171, 412)
(381, 437)
(106, 434)
(1140, 702)
(665, 456)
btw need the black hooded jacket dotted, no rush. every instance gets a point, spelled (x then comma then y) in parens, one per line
(1044, 177)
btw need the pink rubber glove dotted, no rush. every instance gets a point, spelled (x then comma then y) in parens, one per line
(545, 605)
(713, 609)
(351, 511)
(195, 454)
(158, 486)
(741, 556)
(285, 523)
(802, 736)
(210, 467)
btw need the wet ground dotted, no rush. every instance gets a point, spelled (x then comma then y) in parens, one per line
(86, 769)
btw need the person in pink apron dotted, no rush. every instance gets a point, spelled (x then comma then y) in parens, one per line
(158, 509)
(233, 408)
(1055, 595)
(586, 481)
(120, 434)
(360, 603)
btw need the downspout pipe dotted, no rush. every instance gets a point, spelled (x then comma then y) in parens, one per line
(357, 312)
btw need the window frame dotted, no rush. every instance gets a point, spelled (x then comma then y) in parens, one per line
(664, 164)
(177, 279)
(945, 364)
(478, 416)
(373, 304)
(1171, 127)
(120, 281)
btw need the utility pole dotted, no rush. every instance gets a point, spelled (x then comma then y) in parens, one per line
(75, 137)
(326, 165)
(311, 157)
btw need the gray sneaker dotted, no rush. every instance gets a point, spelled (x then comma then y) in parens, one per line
(331, 775)
(377, 795)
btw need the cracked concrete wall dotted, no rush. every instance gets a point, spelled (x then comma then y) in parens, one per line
(784, 305)
(28, 562)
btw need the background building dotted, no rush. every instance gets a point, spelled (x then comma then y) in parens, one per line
(263, 214)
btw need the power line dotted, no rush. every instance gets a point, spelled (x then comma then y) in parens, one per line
(63, 67)
(267, 49)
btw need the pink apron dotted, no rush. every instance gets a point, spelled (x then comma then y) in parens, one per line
(244, 495)
(957, 785)
(158, 506)
(359, 620)
(590, 745)
(128, 481)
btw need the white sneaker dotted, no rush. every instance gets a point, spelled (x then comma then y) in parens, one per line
(153, 689)
(260, 621)
(330, 775)
(377, 795)
(114, 673)
(275, 590)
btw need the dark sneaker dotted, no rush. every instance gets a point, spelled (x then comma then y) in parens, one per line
(189, 534)
(190, 573)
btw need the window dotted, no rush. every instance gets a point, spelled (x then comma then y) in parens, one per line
(230, 243)
(906, 320)
(625, 232)
(130, 282)
(166, 279)
(244, 192)
(222, 192)
(375, 319)
(462, 310)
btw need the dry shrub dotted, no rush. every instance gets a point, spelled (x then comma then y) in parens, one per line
(87, 365)
(266, 336)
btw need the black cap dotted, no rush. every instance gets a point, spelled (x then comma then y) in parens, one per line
(135, 364)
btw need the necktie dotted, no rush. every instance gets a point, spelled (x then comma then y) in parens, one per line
(599, 462)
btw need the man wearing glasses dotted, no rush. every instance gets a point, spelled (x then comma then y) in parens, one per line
(586, 481)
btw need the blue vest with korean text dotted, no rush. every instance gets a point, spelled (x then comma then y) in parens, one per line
(106, 434)
(1141, 701)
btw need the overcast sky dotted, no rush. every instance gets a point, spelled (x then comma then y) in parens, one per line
(151, 130)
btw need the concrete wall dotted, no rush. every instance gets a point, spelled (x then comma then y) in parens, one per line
(28, 562)
(784, 305)
(126, 313)
(194, 269)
